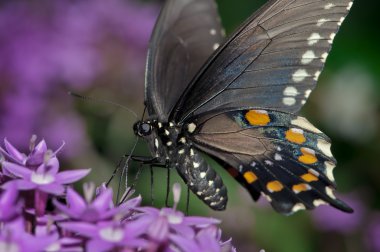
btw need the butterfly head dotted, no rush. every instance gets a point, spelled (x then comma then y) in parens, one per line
(142, 128)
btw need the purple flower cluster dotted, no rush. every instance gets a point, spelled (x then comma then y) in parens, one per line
(50, 47)
(40, 211)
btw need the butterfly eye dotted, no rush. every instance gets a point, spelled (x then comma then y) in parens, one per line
(142, 128)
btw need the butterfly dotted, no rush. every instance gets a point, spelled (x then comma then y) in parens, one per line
(237, 100)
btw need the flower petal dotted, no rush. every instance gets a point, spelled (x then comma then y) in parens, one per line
(67, 177)
(200, 221)
(62, 208)
(84, 229)
(184, 244)
(17, 170)
(13, 152)
(183, 230)
(75, 201)
(20, 184)
(99, 246)
(159, 229)
(103, 201)
(55, 189)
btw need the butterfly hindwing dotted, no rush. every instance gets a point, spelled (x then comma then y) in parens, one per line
(183, 39)
(281, 155)
(272, 61)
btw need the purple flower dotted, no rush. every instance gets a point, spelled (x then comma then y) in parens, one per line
(33, 159)
(10, 205)
(166, 221)
(207, 239)
(45, 178)
(13, 238)
(107, 236)
(326, 218)
(93, 210)
(58, 45)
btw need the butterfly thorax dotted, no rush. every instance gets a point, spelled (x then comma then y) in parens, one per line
(163, 138)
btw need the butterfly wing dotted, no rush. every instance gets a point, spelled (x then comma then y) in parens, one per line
(272, 61)
(277, 154)
(182, 40)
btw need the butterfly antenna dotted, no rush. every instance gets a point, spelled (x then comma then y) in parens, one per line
(93, 99)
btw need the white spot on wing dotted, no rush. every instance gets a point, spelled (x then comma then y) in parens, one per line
(308, 57)
(181, 151)
(324, 146)
(307, 93)
(314, 172)
(289, 101)
(167, 132)
(191, 152)
(329, 166)
(277, 157)
(341, 21)
(300, 75)
(215, 46)
(329, 192)
(305, 124)
(268, 162)
(169, 143)
(314, 38)
(210, 182)
(332, 36)
(298, 206)
(322, 21)
(202, 174)
(319, 202)
(290, 91)
(349, 6)
(329, 6)
(316, 75)
(253, 164)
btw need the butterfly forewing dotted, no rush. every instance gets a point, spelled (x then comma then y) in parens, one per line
(273, 61)
(184, 37)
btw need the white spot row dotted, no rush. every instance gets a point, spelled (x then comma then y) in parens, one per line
(305, 124)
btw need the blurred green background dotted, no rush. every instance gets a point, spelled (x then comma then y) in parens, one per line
(98, 48)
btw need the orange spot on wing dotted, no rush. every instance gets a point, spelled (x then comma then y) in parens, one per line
(308, 177)
(257, 117)
(250, 177)
(274, 186)
(308, 156)
(300, 188)
(295, 136)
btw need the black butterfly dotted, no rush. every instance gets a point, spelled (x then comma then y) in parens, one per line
(236, 100)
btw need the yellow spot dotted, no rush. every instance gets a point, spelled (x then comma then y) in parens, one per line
(295, 136)
(275, 186)
(250, 177)
(257, 117)
(308, 156)
(300, 188)
(308, 177)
